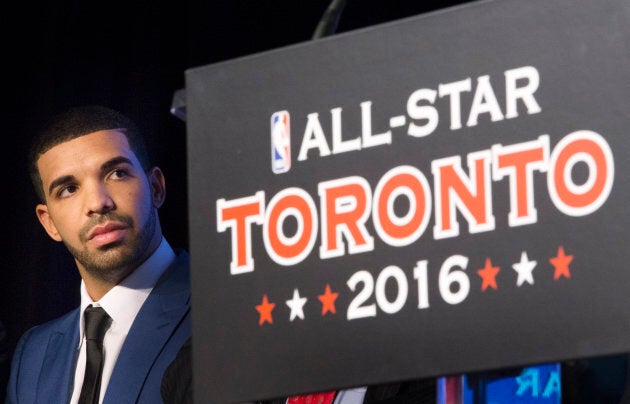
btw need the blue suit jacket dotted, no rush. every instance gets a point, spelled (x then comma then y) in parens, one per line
(44, 360)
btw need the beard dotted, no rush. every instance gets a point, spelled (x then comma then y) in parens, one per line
(113, 262)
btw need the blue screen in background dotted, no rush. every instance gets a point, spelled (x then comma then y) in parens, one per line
(533, 384)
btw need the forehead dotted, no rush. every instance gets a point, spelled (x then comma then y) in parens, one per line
(84, 153)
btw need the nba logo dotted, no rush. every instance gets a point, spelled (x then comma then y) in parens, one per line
(280, 142)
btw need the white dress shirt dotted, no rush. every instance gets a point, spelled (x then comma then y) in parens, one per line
(122, 303)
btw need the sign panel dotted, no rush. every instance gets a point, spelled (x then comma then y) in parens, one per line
(438, 195)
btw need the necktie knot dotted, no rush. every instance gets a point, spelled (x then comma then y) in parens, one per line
(97, 321)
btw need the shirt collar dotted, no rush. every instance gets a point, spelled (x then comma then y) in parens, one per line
(124, 300)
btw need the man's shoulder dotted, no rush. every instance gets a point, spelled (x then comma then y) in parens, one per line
(181, 257)
(181, 262)
(64, 323)
(177, 275)
(33, 344)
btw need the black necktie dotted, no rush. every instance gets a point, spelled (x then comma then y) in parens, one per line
(96, 324)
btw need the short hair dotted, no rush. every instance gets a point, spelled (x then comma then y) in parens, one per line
(77, 122)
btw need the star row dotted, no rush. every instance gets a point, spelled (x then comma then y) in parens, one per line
(296, 304)
(488, 274)
(524, 268)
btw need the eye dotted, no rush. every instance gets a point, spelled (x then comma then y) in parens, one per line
(67, 191)
(119, 174)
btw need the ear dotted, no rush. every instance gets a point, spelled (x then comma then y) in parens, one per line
(44, 218)
(158, 186)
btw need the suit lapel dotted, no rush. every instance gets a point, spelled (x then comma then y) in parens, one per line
(57, 375)
(160, 314)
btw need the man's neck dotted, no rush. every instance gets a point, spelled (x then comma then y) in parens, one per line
(96, 287)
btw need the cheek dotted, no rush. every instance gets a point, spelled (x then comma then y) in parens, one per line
(68, 229)
(140, 202)
(67, 220)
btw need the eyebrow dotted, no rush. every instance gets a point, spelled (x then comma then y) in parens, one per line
(60, 181)
(106, 166)
(114, 162)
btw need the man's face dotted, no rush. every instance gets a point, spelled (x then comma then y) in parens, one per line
(101, 203)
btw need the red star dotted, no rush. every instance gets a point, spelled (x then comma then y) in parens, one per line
(488, 275)
(328, 301)
(561, 264)
(265, 309)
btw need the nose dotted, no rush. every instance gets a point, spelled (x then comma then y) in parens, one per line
(98, 200)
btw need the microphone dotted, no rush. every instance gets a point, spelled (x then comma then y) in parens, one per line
(328, 23)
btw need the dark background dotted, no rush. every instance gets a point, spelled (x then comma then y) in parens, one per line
(129, 55)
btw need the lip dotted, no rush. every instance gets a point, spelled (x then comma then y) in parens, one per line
(107, 233)
(105, 228)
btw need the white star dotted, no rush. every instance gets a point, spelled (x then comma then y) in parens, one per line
(524, 270)
(296, 304)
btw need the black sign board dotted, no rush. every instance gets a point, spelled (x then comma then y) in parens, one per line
(437, 195)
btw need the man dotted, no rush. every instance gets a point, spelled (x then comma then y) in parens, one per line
(100, 197)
